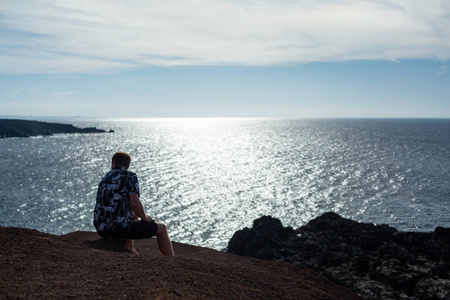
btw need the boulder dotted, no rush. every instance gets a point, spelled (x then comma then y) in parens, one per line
(266, 239)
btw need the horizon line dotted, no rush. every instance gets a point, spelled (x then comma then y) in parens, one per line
(217, 117)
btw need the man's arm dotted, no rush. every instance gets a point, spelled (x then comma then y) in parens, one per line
(138, 208)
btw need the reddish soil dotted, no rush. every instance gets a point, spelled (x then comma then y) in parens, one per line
(82, 265)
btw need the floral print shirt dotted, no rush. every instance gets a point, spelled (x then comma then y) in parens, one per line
(113, 209)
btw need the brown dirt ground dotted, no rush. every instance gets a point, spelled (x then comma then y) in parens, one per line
(82, 265)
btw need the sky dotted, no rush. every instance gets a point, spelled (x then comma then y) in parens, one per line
(246, 58)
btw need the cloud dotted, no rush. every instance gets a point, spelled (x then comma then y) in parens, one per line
(443, 70)
(72, 37)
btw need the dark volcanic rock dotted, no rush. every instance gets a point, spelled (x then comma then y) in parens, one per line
(265, 240)
(376, 261)
(24, 128)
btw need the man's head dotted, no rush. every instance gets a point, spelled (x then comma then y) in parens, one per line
(121, 159)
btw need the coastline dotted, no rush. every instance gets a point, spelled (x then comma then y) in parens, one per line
(15, 128)
(82, 265)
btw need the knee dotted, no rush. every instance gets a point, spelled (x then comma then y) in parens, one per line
(161, 228)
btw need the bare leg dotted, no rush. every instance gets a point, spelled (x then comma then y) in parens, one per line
(164, 243)
(130, 247)
(130, 243)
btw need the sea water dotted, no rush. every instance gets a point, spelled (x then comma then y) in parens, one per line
(207, 178)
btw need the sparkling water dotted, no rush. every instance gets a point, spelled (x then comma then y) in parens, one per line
(207, 178)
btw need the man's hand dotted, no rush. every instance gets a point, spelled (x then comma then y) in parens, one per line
(149, 219)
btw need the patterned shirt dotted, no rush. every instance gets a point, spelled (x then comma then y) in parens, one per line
(113, 209)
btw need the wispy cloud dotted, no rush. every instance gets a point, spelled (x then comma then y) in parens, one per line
(443, 70)
(55, 36)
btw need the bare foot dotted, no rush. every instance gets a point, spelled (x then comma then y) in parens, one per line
(130, 247)
(132, 250)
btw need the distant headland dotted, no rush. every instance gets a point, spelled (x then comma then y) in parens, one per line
(24, 128)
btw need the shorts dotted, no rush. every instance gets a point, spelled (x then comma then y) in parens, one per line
(135, 230)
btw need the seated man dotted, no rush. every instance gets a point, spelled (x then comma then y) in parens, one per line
(118, 209)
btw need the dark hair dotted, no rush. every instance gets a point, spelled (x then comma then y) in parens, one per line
(122, 159)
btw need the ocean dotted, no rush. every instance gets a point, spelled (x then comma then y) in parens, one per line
(207, 178)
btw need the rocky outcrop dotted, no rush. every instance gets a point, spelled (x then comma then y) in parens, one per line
(375, 261)
(25, 128)
(81, 265)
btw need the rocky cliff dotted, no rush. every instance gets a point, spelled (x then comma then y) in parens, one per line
(375, 261)
(81, 265)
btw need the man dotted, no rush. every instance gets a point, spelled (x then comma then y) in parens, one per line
(118, 209)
